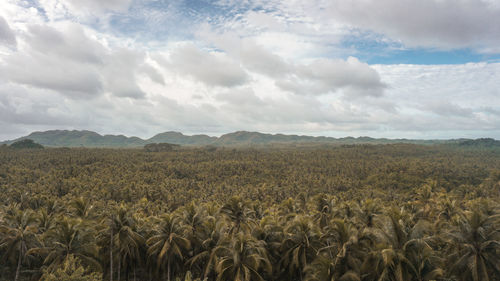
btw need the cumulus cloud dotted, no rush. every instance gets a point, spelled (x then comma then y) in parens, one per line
(46, 72)
(312, 77)
(7, 36)
(211, 68)
(425, 23)
(443, 97)
(65, 59)
(22, 106)
(258, 59)
(119, 73)
(325, 76)
(70, 42)
(152, 73)
(272, 66)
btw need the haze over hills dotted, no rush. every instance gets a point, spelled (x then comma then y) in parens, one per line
(66, 138)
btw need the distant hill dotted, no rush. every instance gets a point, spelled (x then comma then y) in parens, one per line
(256, 138)
(65, 138)
(179, 138)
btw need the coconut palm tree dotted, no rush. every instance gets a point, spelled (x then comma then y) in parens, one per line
(80, 207)
(69, 237)
(18, 236)
(169, 245)
(340, 257)
(126, 240)
(369, 209)
(210, 236)
(405, 252)
(237, 211)
(300, 246)
(241, 257)
(323, 208)
(475, 245)
(270, 230)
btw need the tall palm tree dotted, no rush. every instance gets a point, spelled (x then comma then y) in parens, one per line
(45, 220)
(423, 261)
(18, 236)
(270, 230)
(369, 209)
(80, 207)
(169, 244)
(126, 240)
(448, 210)
(476, 247)
(340, 258)
(210, 236)
(241, 257)
(324, 268)
(237, 211)
(69, 237)
(323, 208)
(300, 246)
(194, 218)
(405, 252)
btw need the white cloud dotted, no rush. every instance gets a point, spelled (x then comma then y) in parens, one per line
(119, 73)
(211, 68)
(278, 69)
(65, 59)
(68, 42)
(83, 10)
(328, 76)
(443, 24)
(7, 36)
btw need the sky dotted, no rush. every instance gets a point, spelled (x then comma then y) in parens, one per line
(427, 69)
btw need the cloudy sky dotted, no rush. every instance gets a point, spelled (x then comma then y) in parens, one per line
(382, 68)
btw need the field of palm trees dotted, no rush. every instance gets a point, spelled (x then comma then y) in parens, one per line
(363, 212)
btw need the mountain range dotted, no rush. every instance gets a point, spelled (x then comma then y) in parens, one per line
(66, 138)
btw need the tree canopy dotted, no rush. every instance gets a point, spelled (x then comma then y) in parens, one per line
(361, 212)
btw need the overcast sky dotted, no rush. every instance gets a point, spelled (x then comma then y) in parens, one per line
(381, 68)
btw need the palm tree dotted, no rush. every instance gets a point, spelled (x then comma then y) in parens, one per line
(45, 220)
(476, 247)
(340, 258)
(270, 231)
(69, 237)
(368, 211)
(238, 213)
(241, 257)
(406, 252)
(80, 207)
(209, 237)
(169, 244)
(194, 218)
(322, 208)
(448, 210)
(424, 263)
(324, 269)
(126, 240)
(300, 245)
(18, 236)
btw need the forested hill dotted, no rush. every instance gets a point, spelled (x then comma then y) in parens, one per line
(65, 138)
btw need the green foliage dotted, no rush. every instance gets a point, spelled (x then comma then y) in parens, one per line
(484, 142)
(70, 270)
(160, 147)
(362, 212)
(26, 144)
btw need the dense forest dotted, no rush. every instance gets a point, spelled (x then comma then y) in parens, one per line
(356, 212)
